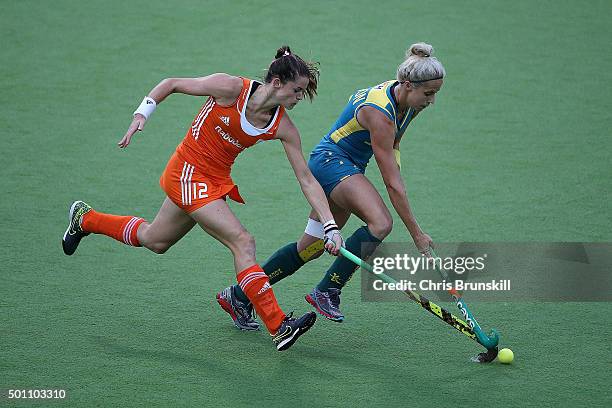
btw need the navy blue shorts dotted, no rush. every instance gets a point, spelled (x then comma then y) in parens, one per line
(330, 167)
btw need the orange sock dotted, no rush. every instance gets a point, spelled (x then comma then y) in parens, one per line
(122, 228)
(255, 284)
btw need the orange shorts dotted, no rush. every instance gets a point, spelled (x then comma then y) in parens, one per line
(190, 189)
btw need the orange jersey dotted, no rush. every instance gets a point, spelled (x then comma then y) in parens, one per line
(190, 189)
(199, 170)
(219, 134)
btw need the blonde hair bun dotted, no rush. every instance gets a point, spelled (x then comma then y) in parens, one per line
(420, 50)
(420, 65)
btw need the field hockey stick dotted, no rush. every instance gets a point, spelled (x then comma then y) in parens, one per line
(431, 307)
(490, 341)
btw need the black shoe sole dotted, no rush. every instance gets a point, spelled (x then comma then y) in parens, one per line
(312, 317)
(70, 245)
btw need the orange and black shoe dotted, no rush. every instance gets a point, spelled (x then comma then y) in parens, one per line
(74, 233)
(291, 329)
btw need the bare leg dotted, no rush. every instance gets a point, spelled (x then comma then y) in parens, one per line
(218, 220)
(170, 225)
(357, 195)
(354, 195)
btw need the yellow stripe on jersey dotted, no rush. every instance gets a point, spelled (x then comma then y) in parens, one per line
(379, 97)
(398, 157)
(351, 127)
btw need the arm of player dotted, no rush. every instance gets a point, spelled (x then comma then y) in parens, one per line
(396, 146)
(382, 137)
(290, 137)
(223, 87)
(397, 153)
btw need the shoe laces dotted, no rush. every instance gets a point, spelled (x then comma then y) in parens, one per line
(334, 297)
(288, 317)
(251, 311)
(78, 215)
(244, 309)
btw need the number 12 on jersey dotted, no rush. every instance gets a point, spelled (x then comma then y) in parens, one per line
(199, 190)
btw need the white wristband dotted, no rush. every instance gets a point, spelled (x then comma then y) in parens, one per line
(146, 108)
(330, 226)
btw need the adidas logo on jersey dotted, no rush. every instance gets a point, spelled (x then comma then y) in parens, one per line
(224, 119)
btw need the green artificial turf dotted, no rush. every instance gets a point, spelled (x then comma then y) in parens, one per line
(515, 149)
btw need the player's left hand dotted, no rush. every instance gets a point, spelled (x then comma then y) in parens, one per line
(423, 242)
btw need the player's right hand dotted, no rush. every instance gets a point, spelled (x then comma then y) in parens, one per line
(423, 242)
(333, 240)
(137, 125)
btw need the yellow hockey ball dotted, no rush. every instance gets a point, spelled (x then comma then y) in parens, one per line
(505, 356)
